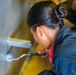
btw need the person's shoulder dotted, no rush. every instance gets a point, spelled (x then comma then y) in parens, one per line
(66, 48)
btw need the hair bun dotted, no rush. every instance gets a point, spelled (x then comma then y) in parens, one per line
(61, 11)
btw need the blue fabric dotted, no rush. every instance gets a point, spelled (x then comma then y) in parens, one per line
(65, 52)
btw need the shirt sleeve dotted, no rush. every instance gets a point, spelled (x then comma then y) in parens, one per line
(65, 66)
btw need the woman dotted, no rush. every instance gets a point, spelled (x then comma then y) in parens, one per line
(45, 20)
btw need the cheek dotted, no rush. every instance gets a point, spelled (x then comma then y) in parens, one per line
(34, 35)
(36, 38)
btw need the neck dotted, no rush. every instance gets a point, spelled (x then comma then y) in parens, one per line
(53, 34)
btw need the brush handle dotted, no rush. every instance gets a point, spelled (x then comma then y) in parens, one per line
(37, 54)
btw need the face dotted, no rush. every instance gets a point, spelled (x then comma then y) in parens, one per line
(44, 36)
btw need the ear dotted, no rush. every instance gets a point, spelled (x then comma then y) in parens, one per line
(39, 31)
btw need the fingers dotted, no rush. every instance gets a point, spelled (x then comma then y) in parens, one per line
(43, 51)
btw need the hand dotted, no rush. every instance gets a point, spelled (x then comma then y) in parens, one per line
(44, 51)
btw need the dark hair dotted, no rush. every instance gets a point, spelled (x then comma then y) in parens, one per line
(46, 13)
